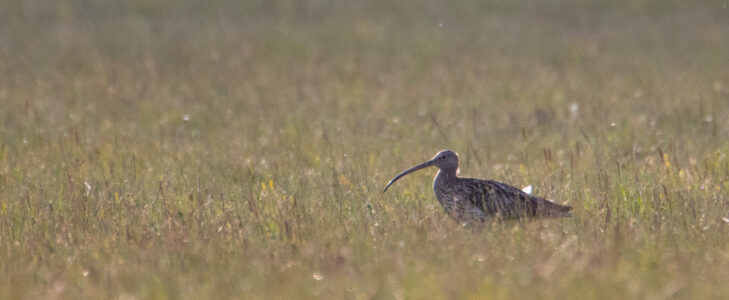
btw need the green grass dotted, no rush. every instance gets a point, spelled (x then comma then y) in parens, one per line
(182, 149)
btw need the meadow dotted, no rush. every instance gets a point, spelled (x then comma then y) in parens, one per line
(238, 149)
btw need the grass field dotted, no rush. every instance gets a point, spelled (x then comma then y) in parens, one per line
(238, 149)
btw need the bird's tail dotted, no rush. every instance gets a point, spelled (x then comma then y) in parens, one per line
(551, 209)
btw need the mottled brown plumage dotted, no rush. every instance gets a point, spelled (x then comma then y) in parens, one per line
(471, 199)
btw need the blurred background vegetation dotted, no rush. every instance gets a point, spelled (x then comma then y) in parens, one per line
(237, 149)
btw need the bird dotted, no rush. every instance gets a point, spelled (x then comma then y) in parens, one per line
(472, 200)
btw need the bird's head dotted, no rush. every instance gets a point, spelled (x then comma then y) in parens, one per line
(444, 160)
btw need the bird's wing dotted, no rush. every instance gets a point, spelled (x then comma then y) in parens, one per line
(496, 198)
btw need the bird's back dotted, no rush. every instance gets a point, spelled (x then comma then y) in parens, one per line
(471, 198)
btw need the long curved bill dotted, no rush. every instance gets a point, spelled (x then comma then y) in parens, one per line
(408, 171)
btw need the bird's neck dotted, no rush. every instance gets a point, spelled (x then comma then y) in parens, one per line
(446, 175)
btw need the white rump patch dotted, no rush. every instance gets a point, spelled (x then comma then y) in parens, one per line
(527, 189)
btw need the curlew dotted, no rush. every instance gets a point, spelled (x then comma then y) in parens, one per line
(471, 199)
